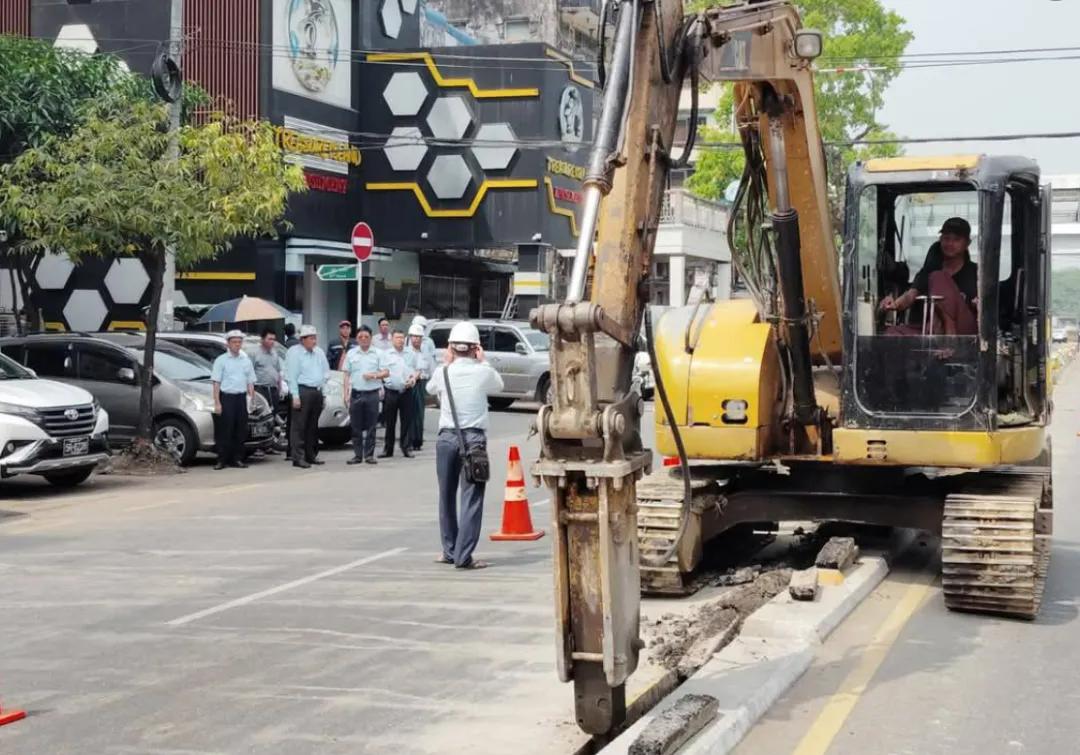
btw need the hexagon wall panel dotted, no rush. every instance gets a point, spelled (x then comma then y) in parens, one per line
(85, 310)
(126, 281)
(492, 157)
(450, 118)
(449, 176)
(53, 271)
(390, 15)
(409, 6)
(405, 148)
(405, 93)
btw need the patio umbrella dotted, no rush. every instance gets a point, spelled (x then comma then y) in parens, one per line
(244, 309)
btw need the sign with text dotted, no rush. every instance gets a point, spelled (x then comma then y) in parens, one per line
(336, 272)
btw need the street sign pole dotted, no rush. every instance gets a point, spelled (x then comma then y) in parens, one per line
(363, 244)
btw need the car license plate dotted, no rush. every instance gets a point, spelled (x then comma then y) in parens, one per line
(76, 446)
(261, 430)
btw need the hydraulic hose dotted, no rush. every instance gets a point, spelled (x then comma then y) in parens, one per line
(684, 465)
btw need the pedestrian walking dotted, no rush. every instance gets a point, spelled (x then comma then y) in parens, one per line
(268, 371)
(463, 385)
(233, 377)
(422, 365)
(335, 353)
(397, 397)
(306, 370)
(384, 339)
(364, 374)
(290, 336)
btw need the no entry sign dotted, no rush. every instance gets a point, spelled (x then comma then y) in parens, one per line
(363, 241)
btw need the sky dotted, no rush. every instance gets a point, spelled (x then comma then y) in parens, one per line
(990, 99)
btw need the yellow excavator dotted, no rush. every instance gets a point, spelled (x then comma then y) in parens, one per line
(817, 397)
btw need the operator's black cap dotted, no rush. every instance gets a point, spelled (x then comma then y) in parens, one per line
(957, 227)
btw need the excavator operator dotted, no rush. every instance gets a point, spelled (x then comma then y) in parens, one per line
(949, 280)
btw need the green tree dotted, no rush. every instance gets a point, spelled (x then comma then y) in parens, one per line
(1065, 293)
(107, 191)
(44, 92)
(857, 32)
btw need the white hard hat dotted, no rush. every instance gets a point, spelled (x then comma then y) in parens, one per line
(464, 332)
(420, 320)
(415, 329)
(308, 330)
(234, 334)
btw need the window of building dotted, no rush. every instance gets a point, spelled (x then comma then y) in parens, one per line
(445, 296)
(517, 30)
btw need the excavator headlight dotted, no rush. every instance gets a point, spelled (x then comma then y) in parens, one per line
(734, 411)
(808, 44)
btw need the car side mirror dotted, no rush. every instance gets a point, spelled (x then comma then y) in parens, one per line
(521, 348)
(125, 375)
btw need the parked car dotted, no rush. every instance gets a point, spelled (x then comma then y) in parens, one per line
(516, 350)
(334, 426)
(48, 428)
(107, 365)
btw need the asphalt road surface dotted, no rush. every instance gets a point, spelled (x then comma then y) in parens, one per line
(274, 610)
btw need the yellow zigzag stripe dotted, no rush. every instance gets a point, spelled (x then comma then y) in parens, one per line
(574, 76)
(436, 74)
(468, 212)
(560, 210)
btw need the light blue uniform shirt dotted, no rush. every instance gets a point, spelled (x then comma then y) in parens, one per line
(428, 347)
(357, 362)
(234, 373)
(305, 368)
(472, 382)
(398, 364)
(419, 361)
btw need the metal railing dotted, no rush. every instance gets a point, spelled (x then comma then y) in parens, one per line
(680, 207)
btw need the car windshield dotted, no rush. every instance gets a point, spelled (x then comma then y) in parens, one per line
(538, 339)
(11, 370)
(175, 363)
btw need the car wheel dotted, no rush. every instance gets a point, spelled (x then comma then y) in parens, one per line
(176, 437)
(500, 403)
(335, 437)
(545, 391)
(69, 478)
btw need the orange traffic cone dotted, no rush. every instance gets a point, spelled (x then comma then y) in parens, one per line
(517, 522)
(10, 716)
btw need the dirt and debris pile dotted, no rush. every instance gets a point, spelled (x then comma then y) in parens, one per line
(672, 638)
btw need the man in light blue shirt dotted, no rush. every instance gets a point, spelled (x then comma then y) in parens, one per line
(397, 397)
(422, 364)
(306, 370)
(233, 376)
(471, 380)
(364, 373)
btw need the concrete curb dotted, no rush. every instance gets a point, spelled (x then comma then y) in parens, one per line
(777, 644)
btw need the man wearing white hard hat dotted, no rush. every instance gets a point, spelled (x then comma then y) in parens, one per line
(463, 385)
(233, 376)
(306, 370)
(422, 365)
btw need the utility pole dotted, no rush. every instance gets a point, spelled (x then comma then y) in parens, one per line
(166, 317)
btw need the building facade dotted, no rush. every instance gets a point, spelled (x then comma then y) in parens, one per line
(455, 154)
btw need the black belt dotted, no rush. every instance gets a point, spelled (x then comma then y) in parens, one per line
(369, 390)
(227, 393)
(309, 388)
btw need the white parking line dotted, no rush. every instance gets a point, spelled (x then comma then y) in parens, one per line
(541, 503)
(281, 588)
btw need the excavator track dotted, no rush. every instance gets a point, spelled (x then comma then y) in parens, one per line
(659, 500)
(996, 546)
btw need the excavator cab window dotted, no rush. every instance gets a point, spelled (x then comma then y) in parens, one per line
(916, 344)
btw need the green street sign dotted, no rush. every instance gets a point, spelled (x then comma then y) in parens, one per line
(337, 272)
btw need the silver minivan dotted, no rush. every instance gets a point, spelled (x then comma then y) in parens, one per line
(515, 349)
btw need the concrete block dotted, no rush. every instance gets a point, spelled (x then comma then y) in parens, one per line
(839, 553)
(701, 651)
(804, 584)
(667, 732)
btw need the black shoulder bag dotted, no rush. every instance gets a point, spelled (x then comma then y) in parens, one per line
(475, 458)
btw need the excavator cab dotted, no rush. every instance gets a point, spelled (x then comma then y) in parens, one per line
(955, 360)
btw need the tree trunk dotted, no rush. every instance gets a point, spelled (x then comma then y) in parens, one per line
(154, 261)
(15, 297)
(33, 315)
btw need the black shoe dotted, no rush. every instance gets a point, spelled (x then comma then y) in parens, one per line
(370, 460)
(219, 465)
(287, 458)
(238, 465)
(407, 453)
(386, 455)
(301, 464)
(354, 460)
(317, 462)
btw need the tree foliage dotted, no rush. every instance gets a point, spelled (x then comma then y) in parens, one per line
(107, 190)
(1065, 293)
(857, 32)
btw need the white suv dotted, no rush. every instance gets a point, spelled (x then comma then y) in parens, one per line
(47, 428)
